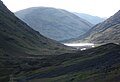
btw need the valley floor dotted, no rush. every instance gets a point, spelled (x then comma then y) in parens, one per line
(100, 64)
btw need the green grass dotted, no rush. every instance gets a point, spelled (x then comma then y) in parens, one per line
(98, 70)
(83, 76)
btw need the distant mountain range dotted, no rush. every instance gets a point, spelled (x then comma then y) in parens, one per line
(54, 23)
(105, 32)
(92, 19)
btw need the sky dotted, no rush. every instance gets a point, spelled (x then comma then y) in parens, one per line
(101, 8)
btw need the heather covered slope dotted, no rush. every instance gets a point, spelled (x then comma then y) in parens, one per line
(105, 32)
(54, 23)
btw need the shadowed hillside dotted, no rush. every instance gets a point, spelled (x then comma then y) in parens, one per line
(20, 44)
(101, 64)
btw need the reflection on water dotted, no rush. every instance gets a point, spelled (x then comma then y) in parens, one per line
(80, 46)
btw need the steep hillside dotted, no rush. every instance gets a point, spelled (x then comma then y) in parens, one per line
(20, 45)
(105, 32)
(92, 19)
(54, 23)
(15, 33)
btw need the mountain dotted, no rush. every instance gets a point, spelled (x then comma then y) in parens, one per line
(92, 19)
(15, 33)
(54, 23)
(100, 64)
(21, 46)
(105, 32)
(27, 56)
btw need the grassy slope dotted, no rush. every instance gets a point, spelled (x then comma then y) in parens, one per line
(105, 32)
(101, 64)
(54, 23)
(20, 46)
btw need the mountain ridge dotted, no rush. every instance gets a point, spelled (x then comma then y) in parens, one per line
(105, 32)
(57, 24)
(92, 19)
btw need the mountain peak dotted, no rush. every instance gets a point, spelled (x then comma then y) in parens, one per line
(114, 19)
(118, 13)
(57, 24)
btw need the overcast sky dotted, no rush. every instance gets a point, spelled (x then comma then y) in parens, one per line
(101, 8)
